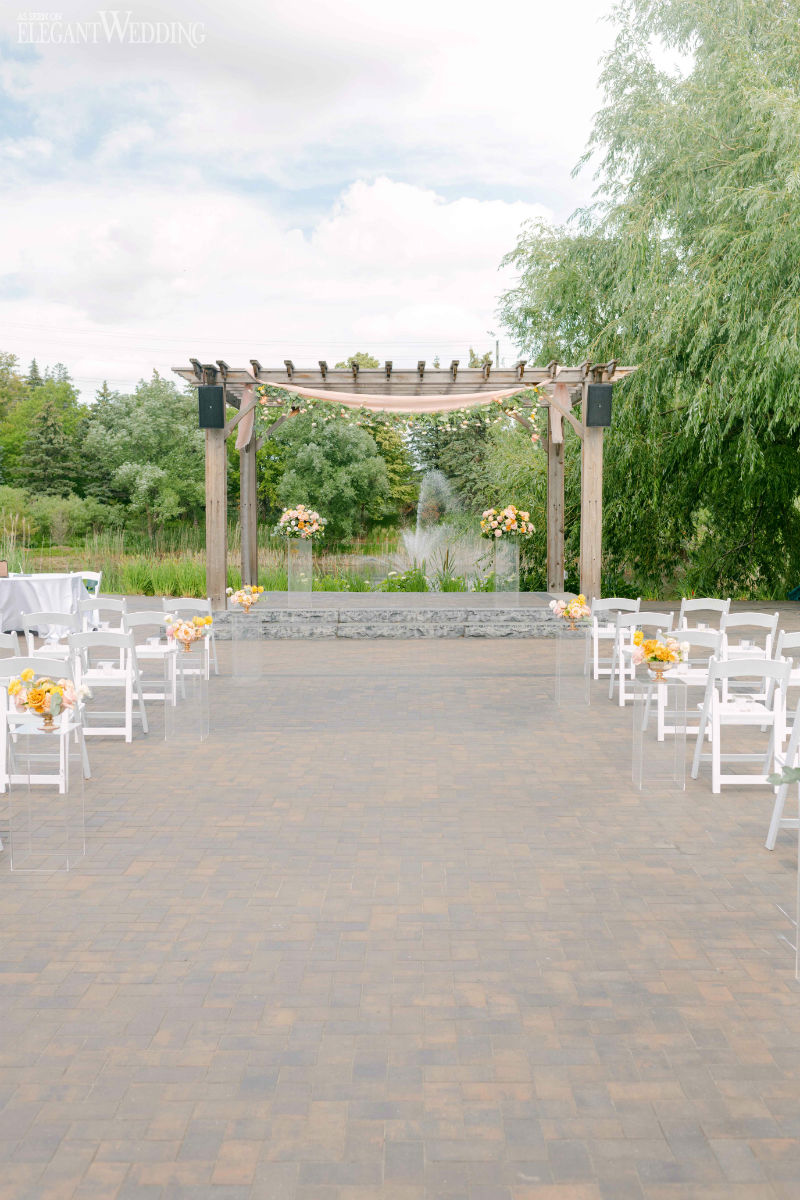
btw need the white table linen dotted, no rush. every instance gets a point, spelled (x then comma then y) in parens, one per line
(21, 594)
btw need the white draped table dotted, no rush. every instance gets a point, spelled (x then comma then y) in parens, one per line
(39, 593)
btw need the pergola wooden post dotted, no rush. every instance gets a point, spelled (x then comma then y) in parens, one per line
(555, 501)
(216, 517)
(248, 511)
(385, 381)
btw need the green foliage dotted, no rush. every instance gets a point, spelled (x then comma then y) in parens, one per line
(48, 461)
(361, 359)
(60, 399)
(480, 360)
(57, 520)
(412, 580)
(687, 266)
(403, 489)
(34, 379)
(148, 453)
(335, 468)
(13, 387)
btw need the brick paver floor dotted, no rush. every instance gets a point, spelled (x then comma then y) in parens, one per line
(401, 929)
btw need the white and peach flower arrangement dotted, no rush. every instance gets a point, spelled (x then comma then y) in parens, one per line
(45, 697)
(245, 597)
(300, 522)
(185, 633)
(506, 522)
(572, 610)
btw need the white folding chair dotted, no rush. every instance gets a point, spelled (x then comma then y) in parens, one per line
(157, 651)
(9, 645)
(788, 647)
(54, 628)
(604, 629)
(703, 645)
(788, 758)
(91, 581)
(751, 634)
(622, 665)
(703, 604)
(14, 722)
(120, 674)
(95, 608)
(191, 606)
(725, 706)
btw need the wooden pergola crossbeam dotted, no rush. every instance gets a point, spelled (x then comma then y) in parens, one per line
(419, 381)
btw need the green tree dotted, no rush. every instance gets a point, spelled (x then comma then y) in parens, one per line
(34, 375)
(335, 467)
(150, 452)
(687, 265)
(20, 416)
(480, 360)
(13, 386)
(361, 359)
(47, 464)
(403, 489)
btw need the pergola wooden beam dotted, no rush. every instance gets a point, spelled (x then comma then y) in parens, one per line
(419, 381)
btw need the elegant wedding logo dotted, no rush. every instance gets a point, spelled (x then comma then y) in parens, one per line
(111, 25)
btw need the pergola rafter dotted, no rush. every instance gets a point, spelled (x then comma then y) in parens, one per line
(561, 388)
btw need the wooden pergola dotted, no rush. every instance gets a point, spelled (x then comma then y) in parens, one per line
(565, 395)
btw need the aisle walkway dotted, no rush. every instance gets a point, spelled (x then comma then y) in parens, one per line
(401, 930)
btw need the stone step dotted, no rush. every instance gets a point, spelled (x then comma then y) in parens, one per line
(299, 622)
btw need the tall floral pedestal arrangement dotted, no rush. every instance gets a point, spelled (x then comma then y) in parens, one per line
(245, 630)
(301, 526)
(505, 528)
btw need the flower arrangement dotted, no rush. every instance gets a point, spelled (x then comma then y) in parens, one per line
(571, 610)
(246, 596)
(45, 697)
(659, 656)
(187, 632)
(300, 522)
(506, 522)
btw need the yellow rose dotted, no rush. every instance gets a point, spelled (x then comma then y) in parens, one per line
(638, 637)
(27, 675)
(36, 699)
(14, 687)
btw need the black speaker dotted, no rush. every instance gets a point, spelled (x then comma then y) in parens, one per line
(598, 404)
(211, 405)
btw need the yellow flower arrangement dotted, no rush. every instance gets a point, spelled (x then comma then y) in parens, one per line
(40, 696)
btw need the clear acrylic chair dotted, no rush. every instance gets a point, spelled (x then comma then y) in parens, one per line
(121, 673)
(727, 706)
(192, 606)
(691, 609)
(622, 665)
(604, 629)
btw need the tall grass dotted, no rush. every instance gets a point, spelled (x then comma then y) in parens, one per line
(15, 536)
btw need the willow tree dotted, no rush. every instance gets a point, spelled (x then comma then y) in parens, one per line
(687, 263)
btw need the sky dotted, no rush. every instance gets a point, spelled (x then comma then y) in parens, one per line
(281, 180)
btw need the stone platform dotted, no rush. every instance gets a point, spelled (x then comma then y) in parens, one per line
(392, 615)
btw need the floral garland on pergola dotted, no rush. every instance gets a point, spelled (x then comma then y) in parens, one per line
(276, 402)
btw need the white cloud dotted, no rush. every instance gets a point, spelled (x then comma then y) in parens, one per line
(313, 179)
(389, 267)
